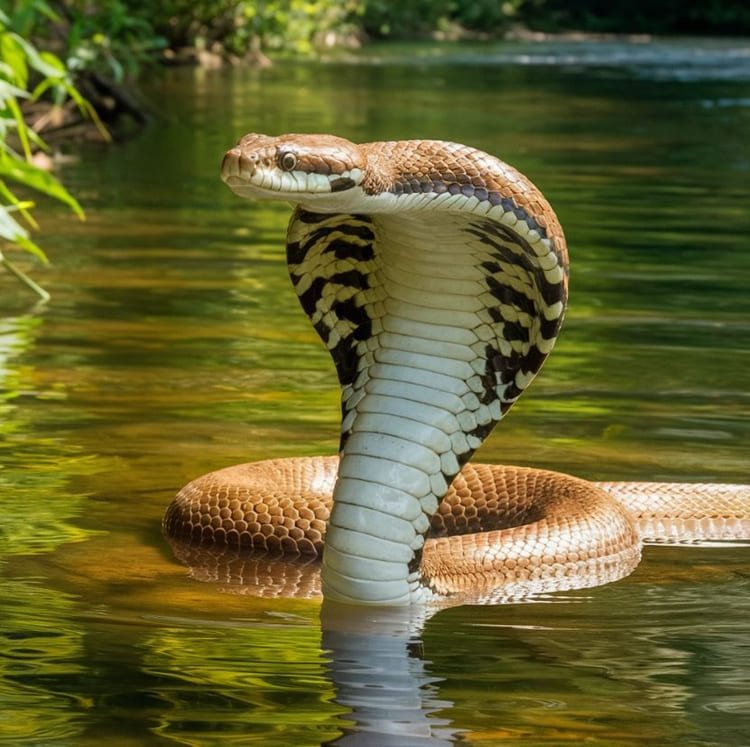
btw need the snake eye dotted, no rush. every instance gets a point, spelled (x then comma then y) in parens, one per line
(287, 161)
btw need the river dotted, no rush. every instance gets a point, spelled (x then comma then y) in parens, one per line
(174, 345)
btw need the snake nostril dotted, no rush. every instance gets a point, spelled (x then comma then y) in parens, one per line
(247, 165)
(230, 165)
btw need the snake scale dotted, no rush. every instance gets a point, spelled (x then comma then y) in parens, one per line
(437, 277)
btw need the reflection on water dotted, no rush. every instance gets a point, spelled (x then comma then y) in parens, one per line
(42, 656)
(174, 345)
(20, 387)
(378, 669)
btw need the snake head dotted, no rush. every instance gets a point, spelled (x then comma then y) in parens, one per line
(292, 167)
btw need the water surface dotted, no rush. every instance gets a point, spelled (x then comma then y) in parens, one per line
(174, 345)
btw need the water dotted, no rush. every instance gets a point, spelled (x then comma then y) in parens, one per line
(174, 345)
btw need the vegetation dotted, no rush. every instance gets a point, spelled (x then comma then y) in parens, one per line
(730, 17)
(26, 74)
(382, 18)
(244, 27)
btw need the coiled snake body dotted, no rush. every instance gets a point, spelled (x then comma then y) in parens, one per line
(436, 275)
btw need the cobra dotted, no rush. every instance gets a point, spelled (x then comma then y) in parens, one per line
(437, 277)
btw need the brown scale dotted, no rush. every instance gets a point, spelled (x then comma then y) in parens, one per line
(271, 506)
(244, 506)
(497, 525)
(392, 161)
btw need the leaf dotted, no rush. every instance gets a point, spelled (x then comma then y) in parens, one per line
(9, 91)
(15, 204)
(23, 277)
(12, 53)
(45, 63)
(24, 15)
(14, 232)
(85, 106)
(41, 181)
(42, 87)
(53, 61)
(21, 127)
(10, 228)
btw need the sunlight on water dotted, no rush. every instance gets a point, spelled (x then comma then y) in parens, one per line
(174, 345)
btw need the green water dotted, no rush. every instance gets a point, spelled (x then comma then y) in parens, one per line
(174, 345)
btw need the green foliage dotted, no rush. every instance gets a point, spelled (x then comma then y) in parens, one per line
(297, 25)
(246, 26)
(123, 34)
(410, 18)
(27, 74)
(406, 19)
(423, 17)
(108, 38)
(626, 16)
(487, 15)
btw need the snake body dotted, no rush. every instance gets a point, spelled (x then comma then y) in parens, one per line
(437, 277)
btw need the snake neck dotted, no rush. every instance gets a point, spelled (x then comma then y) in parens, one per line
(436, 322)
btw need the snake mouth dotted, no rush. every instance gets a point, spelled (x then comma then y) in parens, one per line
(249, 191)
(240, 186)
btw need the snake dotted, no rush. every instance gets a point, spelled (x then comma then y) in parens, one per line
(436, 275)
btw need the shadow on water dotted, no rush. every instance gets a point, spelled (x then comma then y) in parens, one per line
(173, 345)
